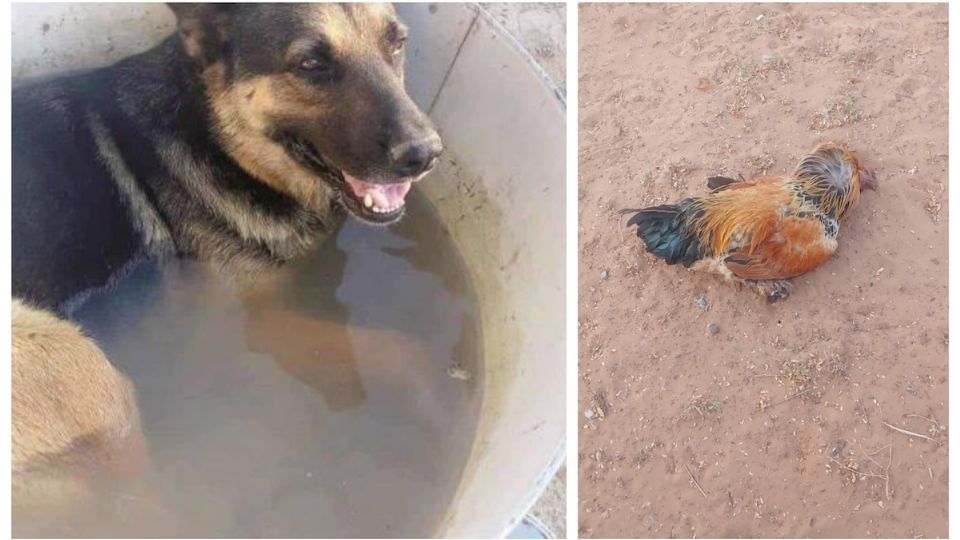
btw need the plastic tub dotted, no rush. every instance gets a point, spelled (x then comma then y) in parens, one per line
(503, 124)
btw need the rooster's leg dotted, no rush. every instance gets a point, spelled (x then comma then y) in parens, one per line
(773, 290)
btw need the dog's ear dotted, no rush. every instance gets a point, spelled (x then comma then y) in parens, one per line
(203, 28)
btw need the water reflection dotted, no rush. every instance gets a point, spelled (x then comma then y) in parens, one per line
(315, 402)
(294, 317)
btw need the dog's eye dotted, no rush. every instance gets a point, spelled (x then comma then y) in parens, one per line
(312, 64)
(396, 37)
(318, 69)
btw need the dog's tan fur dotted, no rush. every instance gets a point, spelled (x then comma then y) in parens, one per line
(72, 412)
(346, 26)
(241, 111)
(249, 221)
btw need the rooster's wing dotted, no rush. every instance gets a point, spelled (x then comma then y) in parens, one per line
(796, 245)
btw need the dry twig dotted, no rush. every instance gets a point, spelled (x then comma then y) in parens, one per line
(695, 481)
(910, 433)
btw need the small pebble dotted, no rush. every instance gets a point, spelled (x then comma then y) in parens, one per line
(589, 414)
(702, 302)
(604, 275)
(837, 449)
(457, 372)
(714, 328)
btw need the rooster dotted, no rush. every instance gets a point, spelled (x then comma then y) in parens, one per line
(765, 231)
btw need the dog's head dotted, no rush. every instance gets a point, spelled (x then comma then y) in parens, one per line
(311, 95)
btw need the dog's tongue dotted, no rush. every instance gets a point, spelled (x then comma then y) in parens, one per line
(378, 196)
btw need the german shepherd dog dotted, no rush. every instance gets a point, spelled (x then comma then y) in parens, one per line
(242, 139)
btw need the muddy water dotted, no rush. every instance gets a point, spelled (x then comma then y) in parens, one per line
(318, 402)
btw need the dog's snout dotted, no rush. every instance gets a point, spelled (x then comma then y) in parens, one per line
(413, 158)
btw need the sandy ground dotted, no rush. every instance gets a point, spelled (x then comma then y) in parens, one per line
(790, 420)
(542, 29)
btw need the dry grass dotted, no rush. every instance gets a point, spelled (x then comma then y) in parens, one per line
(837, 366)
(746, 76)
(600, 403)
(859, 58)
(706, 406)
(841, 111)
(761, 164)
(679, 169)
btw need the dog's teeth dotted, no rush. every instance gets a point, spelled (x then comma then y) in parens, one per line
(382, 209)
(368, 200)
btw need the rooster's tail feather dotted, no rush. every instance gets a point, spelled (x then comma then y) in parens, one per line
(667, 232)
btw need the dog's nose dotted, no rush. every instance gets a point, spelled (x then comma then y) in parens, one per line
(414, 158)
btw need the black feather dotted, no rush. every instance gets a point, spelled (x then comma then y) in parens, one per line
(717, 182)
(666, 231)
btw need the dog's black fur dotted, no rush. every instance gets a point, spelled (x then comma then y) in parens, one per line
(138, 158)
(72, 227)
(62, 198)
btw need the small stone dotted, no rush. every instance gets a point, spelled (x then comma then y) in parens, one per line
(702, 302)
(455, 371)
(605, 275)
(837, 449)
(714, 328)
(589, 414)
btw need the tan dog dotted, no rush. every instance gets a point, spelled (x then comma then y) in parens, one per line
(73, 416)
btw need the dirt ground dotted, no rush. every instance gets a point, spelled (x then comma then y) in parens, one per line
(793, 419)
(542, 29)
